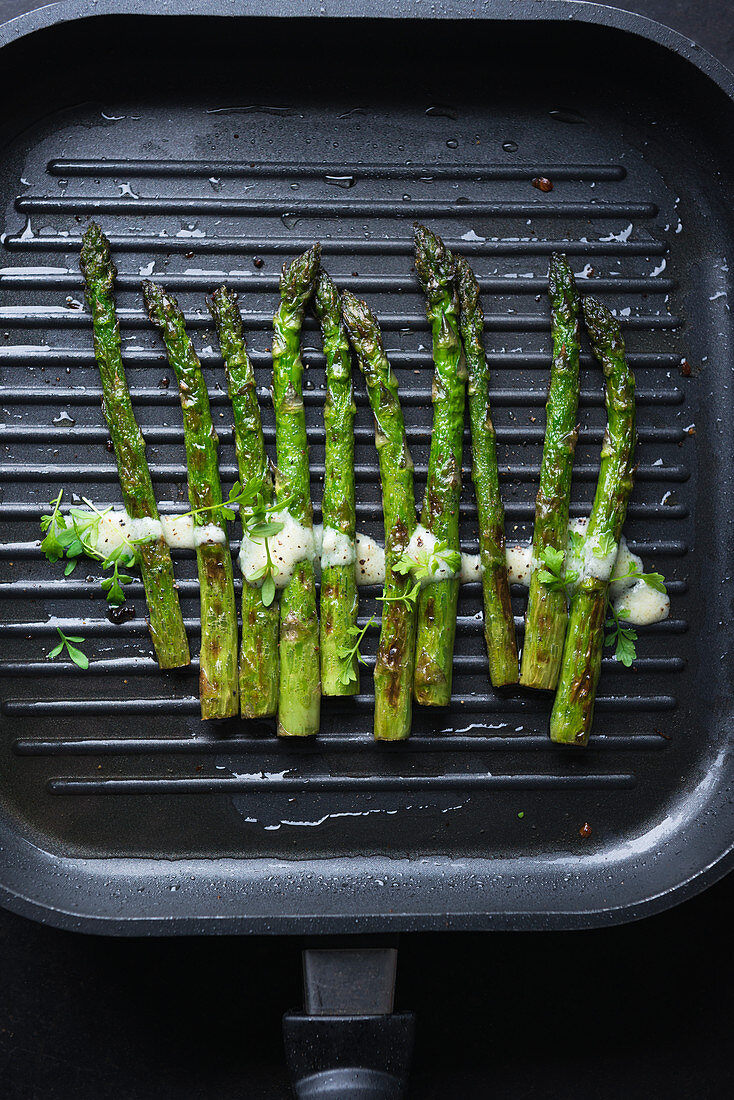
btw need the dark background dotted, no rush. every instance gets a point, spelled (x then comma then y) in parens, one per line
(644, 1010)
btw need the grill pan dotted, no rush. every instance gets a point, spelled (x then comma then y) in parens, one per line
(201, 140)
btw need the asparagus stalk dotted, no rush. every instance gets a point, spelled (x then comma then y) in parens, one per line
(573, 709)
(218, 687)
(395, 661)
(339, 674)
(545, 621)
(259, 645)
(436, 629)
(499, 623)
(156, 567)
(299, 704)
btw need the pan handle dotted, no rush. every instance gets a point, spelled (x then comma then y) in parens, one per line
(349, 1057)
(348, 1044)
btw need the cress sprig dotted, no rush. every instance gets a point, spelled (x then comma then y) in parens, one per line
(255, 513)
(554, 574)
(406, 598)
(557, 578)
(622, 637)
(69, 541)
(80, 659)
(425, 565)
(348, 653)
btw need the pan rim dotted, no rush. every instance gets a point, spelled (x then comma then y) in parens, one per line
(429, 917)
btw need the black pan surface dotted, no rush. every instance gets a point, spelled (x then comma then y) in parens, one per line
(120, 811)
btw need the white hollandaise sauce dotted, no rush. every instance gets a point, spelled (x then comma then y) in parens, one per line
(328, 547)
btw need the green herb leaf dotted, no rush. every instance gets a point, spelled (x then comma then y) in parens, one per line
(656, 581)
(553, 559)
(554, 575)
(404, 566)
(264, 530)
(347, 675)
(53, 524)
(605, 545)
(425, 564)
(52, 548)
(77, 656)
(623, 638)
(576, 542)
(268, 590)
(625, 651)
(348, 653)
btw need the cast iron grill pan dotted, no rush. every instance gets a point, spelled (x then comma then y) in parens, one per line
(145, 812)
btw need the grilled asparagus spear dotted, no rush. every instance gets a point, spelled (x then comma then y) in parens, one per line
(396, 650)
(574, 703)
(499, 623)
(166, 623)
(436, 629)
(299, 705)
(259, 645)
(339, 674)
(545, 621)
(218, 686)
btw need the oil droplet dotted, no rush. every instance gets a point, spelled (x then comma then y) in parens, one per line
(121, 614)
(216, 183)
(295, 186)
(290, 221)
(567, 114)
(252, 109)
(452, 143)
(341, 181)
(509, 146)
(542, 183)
(406, 198)
(63, 418)
(442, 112)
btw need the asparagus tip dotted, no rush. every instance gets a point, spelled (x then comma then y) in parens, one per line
(297, 279)
(158, 302)
(434, 264)
(602, 326)
(361, 322)
(326, 296)
(95, 259)
(466, 285)
(561, 283)
(221, 301)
